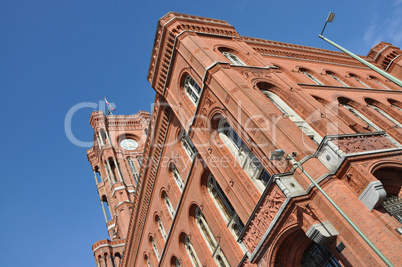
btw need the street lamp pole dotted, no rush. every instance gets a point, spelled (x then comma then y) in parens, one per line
(371, 66)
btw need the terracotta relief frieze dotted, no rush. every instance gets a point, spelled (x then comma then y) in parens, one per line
(363, 143)
(263, 217)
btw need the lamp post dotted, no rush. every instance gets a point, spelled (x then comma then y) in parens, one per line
(278, 154)
(330, 18)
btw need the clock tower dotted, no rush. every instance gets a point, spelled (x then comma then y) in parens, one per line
(116, 158)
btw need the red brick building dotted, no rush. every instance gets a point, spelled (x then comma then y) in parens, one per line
(214, 189)
(116, 159)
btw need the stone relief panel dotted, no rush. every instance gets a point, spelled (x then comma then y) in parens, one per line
(263, 217)
(359, 143)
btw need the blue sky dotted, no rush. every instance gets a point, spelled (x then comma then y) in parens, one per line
(57, 56)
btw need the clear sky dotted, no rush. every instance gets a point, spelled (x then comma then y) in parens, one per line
(61, 56)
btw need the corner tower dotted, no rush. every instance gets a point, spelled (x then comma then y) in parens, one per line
(115, 159)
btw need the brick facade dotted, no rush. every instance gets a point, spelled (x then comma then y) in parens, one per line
(210, 192)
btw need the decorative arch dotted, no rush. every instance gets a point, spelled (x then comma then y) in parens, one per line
(385, 111)
(396, 104)
(271, 92)
(359, 80)
(359, 112)
(310, 74)
(378, 82)
(233, 55)
(293, 245)
(337, 78)
(390, 175)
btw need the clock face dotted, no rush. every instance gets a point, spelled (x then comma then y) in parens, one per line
(128, 144)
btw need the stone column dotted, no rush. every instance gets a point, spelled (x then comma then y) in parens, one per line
(108, 138)
(118, 169)
(99, 143)
(108, 178)
(101, 139)
(110, 170)
(111, 261)
(104, 211)
(96, 179)
(104, 261)
(98, 263)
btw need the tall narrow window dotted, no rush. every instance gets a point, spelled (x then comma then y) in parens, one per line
(386, 115)
(205, 231)
(160, 225)
(314, 79)
(133, 169)
(191, 252)
(210, 239)
(234, 59)
(192, 89)
(362, 117)
(286, 110)
(360, 81)
(228, 212)
(155, 248)
(177, 177)
(395, 106)
(139, 159)
(188, 146)
(380, 83)
(337, 79)
(243, 155)
(169, 205)
(147, 260)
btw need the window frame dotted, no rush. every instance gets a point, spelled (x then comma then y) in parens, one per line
(311, 77)
(192, 89)
(293, 116)
(235, 60)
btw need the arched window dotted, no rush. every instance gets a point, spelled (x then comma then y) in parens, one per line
(210, 239)
(177, 177)
(380, 83)
(160, 225)
(133, 169)
(337, 79)
(139, 160)
(385, 115)
(361, 117)
(188, 146)
(169, 205)
(226, 209)
(154, 247)
(191, 252)
(234, 59)
(317, 256)
(288, 112)
(390, 177)
(395, 104)
(106, 211)
(192, 89)
(147, 260)
(248, 162)
(311, 77)
(359, 80)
